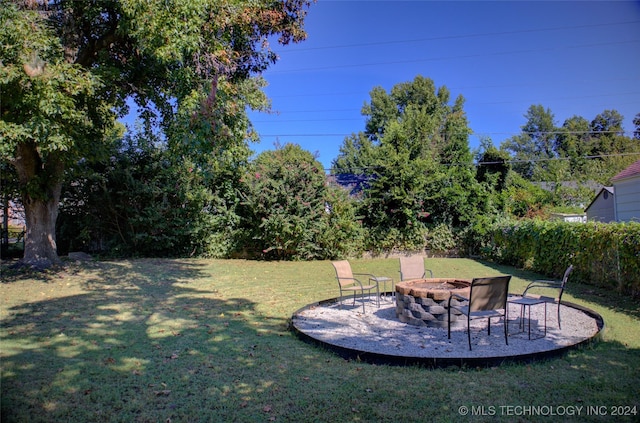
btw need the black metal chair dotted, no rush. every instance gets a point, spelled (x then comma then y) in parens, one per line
(559, 286)
(487, 299)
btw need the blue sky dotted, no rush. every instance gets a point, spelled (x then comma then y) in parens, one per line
(575, 58)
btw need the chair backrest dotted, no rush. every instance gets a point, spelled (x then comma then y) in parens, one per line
(343, 272)
(489, 293)
(563, 284)
(411, 267)
(566, 276)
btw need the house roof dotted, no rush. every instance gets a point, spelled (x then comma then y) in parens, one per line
(632, 170)
(351, 182)
(610, 190)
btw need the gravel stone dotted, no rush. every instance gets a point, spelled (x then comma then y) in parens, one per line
(380, 331)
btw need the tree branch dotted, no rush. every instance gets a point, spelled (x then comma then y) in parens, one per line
(87, 55)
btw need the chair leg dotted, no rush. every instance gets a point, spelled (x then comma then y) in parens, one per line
(363, 310)
(449, 321)
(506, 323)
(469, 331)
(559, 326)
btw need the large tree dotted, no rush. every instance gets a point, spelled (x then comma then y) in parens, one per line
(577, 150)
(68, 67)
(415, 148)
(536, 144)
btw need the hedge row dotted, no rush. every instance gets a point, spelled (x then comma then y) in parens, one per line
(606, 255)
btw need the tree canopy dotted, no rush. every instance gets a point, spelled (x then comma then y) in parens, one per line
(578, 149)
(415, 148)
(69, 67)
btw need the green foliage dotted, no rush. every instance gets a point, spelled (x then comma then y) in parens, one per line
(441, 238)
(140, 203)
(393, 205)
(603, 254)
(357, 155)
(343, 235)
(522, 198)
(578, 150)
(284, 202)
(143, 203)
(415, 150)
(493, 165)
(217, 148)
(49, 106)
(66, 66)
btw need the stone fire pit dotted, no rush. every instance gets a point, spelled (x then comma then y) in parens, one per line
(423, 302)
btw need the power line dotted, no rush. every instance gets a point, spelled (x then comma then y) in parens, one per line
(511, 161)
(310, 120)
(278, 112)
(459, 36)
(478, 134)
(470, 87)
(399, 62)
(549, 159)
(363, 116)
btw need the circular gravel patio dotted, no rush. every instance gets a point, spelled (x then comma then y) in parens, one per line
(378, 336)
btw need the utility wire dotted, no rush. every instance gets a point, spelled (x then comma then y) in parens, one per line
(510, 161)
(431, 59)
(589, 132)
(468, 102)
(457, 36)
(470, 87)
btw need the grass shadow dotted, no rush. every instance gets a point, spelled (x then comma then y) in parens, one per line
(141, 340)
(190, 340)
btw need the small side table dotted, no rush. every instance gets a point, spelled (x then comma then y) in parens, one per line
(384, 280)
(525, 302)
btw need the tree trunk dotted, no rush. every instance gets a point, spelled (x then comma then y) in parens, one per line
(40, 249)
(41, 184)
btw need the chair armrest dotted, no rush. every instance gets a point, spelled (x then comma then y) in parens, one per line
(351, 279)
(458, 296)
(423, 275)
(369, 275)
(543, 284)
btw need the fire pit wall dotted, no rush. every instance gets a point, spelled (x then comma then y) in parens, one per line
(423, 302)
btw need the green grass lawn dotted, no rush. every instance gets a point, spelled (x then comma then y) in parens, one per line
(159, 340)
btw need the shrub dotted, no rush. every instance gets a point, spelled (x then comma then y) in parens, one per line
(441, 238)
(284, 204)
(140, 203)
(604, 254)
(344, 235)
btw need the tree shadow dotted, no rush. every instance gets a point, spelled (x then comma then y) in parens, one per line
(142, 342)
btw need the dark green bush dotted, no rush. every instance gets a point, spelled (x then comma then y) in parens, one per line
(140, 203)
(290, 213)
(606, 255)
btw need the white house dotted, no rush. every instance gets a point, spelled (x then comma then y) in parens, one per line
(602, 208)
(626, 185)
(569, 217)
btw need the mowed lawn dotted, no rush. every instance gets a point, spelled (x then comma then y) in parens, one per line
(159, 340)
